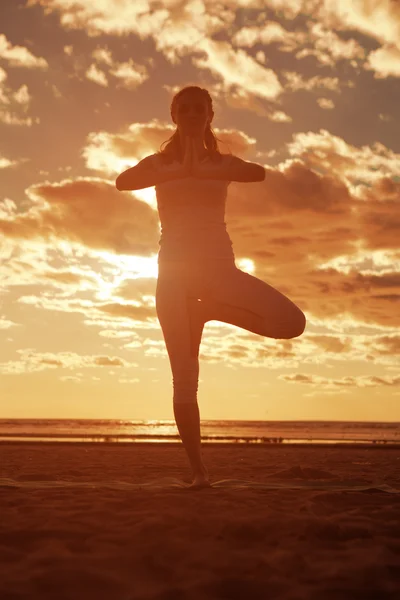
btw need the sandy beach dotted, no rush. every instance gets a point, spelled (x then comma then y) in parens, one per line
(81, 521)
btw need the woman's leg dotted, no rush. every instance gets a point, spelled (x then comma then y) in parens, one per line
(240, 299)
(182, 322)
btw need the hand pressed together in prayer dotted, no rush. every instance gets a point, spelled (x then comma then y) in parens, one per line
(193, 166)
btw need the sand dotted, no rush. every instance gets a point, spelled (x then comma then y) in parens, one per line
(116, 522)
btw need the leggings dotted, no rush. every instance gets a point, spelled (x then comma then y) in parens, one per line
(189, 295)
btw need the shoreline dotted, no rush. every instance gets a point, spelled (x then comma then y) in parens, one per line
(123, 444)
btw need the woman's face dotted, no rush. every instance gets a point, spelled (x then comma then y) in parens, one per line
(191, 114)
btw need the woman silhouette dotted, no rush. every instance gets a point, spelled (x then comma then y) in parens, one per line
(198, 280)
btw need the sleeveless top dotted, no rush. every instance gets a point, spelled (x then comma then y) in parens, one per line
(192, 216)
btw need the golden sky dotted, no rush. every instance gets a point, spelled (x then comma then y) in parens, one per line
(307, 88)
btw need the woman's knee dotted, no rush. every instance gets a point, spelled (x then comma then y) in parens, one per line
(298, 324)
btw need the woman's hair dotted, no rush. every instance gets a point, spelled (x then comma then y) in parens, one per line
(173, 148)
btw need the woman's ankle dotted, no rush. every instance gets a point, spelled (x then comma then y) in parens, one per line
(187, 419)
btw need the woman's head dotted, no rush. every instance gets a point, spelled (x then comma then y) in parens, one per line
(192, 112)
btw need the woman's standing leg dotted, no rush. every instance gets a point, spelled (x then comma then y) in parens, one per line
(182, 323)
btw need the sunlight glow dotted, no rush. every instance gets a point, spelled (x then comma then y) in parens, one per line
(126, 267)
(141, 266)
(147, 195)
(246, 264)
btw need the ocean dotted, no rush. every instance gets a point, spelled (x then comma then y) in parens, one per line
(225, 431)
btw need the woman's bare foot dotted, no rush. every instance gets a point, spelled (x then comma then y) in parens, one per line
(200, 482)
(201, 479)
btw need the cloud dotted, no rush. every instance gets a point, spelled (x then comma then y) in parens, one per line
(237, 68)
(380, 215)
(122, 316)
(103, 18)
(106, 361)
(85, 211)
(359, 168)
(18, 56)
(385, 118)
(111, 153)
(67, 277)
(295, 82)
(93, 73)
(340, 384)
(129, 311)
(325, 103)
(103, 55)
(329, 48)
(269, 32)
(5, 163)
(176, 33)
(101, 68)
(379, 19)
(7, 324)
(385, 62)
(129, 74)
(181, 30)
(280, 117)
(110, 333)
(32, 264)
(14, 104)
(31, 361)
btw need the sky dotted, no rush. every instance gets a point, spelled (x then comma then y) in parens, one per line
(310, 89)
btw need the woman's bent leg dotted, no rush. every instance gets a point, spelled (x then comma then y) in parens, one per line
(241, 299)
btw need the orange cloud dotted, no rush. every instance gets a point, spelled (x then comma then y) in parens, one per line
(296, 82)
(328, 48)
(14, 104)
(6, 323)
(357, 167)
(344, 382)
(93, 73)
(325, 103)
(129, 74)
(385, 62)
(175, 33)
(6, 162)
(111, 153)
(18, 56)
(237, 68)
(86, 211)
(379, 19)
(31, 361)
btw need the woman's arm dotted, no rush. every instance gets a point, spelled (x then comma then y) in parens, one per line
(233, 169)
(146, 174)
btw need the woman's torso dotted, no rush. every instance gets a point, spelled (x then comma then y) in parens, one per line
(192, 216)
